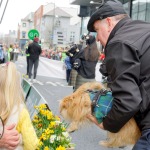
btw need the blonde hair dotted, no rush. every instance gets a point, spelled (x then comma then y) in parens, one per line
(11, 92)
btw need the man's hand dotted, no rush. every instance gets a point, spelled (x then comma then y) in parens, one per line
(10, 138)
(93, 119)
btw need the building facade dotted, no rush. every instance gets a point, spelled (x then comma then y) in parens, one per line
(55, 27)
(23, 28)
(138, 9)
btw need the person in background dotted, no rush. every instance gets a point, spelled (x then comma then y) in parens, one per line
(6, 53)
(13, 109)
(34, 50)
(86, 61)
(63, 54)
(10, 52)
(73, 50)
(40, 43)
(57, 55)
(126, 64)
(16, 52)
(2, 58)
(27, 56)
(68, 67)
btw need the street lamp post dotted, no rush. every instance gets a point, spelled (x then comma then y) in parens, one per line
(53, 25)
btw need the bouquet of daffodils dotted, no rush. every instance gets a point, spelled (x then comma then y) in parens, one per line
(50, 130)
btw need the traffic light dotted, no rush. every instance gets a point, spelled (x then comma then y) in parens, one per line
(84, 11)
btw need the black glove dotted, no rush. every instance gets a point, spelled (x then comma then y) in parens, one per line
(103, 69)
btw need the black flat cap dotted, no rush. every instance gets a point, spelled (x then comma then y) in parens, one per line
(107, 9)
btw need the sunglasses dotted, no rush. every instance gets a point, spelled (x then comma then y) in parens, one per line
(1, 127)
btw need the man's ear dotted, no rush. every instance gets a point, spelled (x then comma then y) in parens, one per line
(109, 23)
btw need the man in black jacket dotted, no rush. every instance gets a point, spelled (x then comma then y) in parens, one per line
(127, 67)
(34, 49)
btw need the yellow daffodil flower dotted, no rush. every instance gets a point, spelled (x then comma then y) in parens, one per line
(60, 148)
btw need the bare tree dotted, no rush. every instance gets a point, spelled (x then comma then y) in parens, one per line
(8, 39)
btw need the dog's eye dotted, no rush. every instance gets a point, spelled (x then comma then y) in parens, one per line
(64, 106)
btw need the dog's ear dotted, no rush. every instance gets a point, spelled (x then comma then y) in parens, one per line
(65, 103)
(62, 104)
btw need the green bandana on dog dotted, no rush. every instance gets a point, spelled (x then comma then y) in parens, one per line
(102, 103)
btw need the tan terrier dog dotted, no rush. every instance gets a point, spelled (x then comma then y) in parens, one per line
(77, 106)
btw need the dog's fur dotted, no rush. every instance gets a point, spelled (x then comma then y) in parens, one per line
(76, 106)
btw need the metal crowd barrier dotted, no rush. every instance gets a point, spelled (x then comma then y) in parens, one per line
(32, 97)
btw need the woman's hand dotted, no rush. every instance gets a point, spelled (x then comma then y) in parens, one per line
(93, 119)
(10, 138)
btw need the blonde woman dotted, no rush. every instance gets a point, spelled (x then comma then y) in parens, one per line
(13, 109)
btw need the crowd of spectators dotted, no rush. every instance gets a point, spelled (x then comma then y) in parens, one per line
(58, 54)
(9, 53)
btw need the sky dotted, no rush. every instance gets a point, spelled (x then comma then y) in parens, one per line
(19, 9)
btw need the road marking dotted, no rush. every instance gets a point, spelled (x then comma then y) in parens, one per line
(63, 84)
(39, 83)
(59, 83)
(35, 82)
(51, 83)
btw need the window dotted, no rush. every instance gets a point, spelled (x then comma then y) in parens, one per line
(60, 39)
(148, 11)
(59, 32)
(126, 5)
(134, 7)
(60, 36)
(60, 42)
(72, 36)
(57, 23)
(135, 16)
(141, 15)
(141, 10)
(23, 34)
(142, 5)
(24, 24)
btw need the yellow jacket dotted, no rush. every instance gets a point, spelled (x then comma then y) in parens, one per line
(28, 138)
(25, 128)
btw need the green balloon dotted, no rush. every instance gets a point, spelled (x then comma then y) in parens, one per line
(32, 34)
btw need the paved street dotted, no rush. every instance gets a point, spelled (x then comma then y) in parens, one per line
(53, 90)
